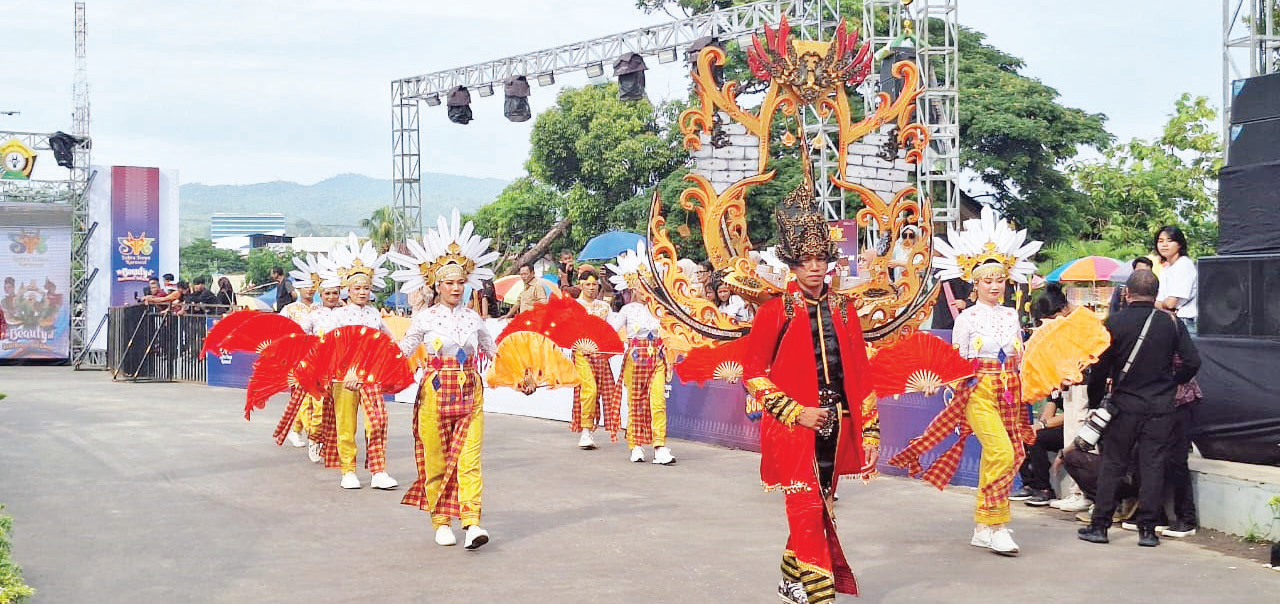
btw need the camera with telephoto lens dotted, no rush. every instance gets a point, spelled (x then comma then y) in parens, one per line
(1095, 423)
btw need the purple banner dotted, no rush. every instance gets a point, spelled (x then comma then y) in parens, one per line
(135, 223)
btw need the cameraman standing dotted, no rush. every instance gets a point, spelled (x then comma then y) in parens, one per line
(1141, 404)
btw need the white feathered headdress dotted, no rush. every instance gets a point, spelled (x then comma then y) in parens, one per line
(628, 268)
(309, 272)
(350, 260)
(450, 247)
(982, 240)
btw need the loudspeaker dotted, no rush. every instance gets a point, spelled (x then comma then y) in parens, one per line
(1239, 296)
(1254, 142)
(1256, 98)
(1249, 209)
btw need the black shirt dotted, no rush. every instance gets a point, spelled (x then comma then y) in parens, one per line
(284, 294)
(1150, 384)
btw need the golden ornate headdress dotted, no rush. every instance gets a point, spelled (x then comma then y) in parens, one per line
(987, 240)
(352, 263)
(309, 271)
(802, 229)
(449, 251)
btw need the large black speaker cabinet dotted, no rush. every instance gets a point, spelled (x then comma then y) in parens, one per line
(1239, 296)
(1256, 98)
(1249, 209)
(1254, 142)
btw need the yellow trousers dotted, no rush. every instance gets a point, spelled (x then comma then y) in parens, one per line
(310, 416)
(345, 403)
(983, 414)
(470, 482)
(657, 404)
(587, 391)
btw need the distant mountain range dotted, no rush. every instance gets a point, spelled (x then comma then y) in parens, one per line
(329, 207)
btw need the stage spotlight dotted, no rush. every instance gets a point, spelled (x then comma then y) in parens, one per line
(695, 48)
(486, 90)
(595, 70)
(629, 69)
(546, 79)
(63, 145)
(667, 55)
(516, 105)
(459, 102)
(433, 100)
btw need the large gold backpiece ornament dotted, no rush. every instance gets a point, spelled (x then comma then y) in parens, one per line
(890, 302)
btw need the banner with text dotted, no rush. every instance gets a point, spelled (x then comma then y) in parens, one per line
(135, 223)
(35, 265)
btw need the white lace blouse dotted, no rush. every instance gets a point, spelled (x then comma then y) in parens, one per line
(984, 331)
(320, 320)
(444, 330)
(636, 319)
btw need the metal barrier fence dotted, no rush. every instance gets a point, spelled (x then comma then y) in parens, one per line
(147, 342)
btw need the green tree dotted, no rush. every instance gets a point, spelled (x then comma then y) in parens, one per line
(259, 263)
(525, 211)
(200, 259)
(1137, 187)
(384, 227)
(1015, 135)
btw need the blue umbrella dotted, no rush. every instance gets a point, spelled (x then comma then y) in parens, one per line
(398, 300)
(609, 244)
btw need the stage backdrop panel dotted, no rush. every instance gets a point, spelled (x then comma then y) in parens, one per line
(135, 211)
(35, 265)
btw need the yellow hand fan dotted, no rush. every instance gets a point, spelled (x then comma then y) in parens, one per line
(1060, 349)
(526, 361)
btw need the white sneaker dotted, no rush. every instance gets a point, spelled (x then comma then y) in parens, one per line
(349, 481)
(1074, 503)
(663, 456)
(585, 442)
(295, 439)
(382, 481)
(476, 537)
(981, 537)
(444, 536)
(1002, 542)
(637, 453)
(313, 452)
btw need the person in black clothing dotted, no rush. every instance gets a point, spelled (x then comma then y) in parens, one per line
(199, 296)
(284, 288)
(1141, 405)
(226, 294)
(943, 315)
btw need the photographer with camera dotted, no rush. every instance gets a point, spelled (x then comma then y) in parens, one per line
(1139, 367)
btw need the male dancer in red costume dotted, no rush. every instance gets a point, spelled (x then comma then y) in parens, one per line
(807, 369)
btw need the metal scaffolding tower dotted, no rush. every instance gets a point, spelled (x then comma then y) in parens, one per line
(81, 229)
(406, 93)
(1250, 47)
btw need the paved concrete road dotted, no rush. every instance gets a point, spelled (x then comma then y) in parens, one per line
(163, 493)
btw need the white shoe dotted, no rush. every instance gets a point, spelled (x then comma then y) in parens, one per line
(444, 536)
(295, 439)
(585, 442)
(981, 537)
(637, 453)
(663, 456)
(1002, 542)
(313, 452)
(382, 481)
(1074, 503)
(349, 481)
(476, 537)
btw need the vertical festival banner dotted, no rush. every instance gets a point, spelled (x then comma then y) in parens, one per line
(35, 267)
(844, 233)
(135, 222)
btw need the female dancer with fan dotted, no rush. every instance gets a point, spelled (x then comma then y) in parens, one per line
(598, 394)
(358, 268)
(987, 253)
(448, 414)
(306, 279)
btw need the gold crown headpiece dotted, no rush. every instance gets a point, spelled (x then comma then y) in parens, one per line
(984, 246)
(802, 229)
(352, 263)
(450, 251)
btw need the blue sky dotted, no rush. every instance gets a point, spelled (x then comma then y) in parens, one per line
(238, 91)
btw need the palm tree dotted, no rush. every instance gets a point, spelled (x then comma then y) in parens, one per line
(385, 227)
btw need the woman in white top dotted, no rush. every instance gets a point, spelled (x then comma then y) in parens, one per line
(728, 302)
(1179, 286)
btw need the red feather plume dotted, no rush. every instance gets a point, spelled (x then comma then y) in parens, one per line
(373, 355)
(724, 361)
(916, 364)
(255, 333)
(223, 328)
(273, 371)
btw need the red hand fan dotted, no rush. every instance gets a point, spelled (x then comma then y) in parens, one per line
(529, 320)
(255, 333)
(569, 325)
(223, 328)
(373, 355)
(916, 364)
(273, 371)
(724, 361)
